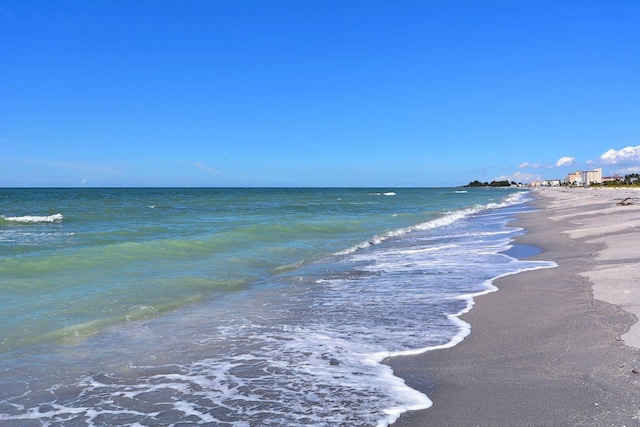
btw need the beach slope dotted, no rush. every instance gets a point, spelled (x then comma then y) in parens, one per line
(556, 346)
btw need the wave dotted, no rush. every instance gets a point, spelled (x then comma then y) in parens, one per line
(32, 219)
(446, 219)
(464, 328)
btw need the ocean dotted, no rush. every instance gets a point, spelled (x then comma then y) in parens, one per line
(237, 307)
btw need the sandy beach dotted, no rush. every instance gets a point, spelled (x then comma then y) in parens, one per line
(553, 347)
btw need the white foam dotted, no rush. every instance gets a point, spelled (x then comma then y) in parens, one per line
(464, 327)
(447, 219)
(309, 355)
(34, 219)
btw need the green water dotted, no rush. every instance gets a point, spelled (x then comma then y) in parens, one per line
(75, 260)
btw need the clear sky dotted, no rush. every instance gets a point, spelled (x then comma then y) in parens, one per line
(316, 92)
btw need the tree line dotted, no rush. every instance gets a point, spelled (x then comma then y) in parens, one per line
(504, 183)
(630, 179)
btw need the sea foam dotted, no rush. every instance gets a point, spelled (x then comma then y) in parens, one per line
(447, 218)
(299, 341)
(34, 219)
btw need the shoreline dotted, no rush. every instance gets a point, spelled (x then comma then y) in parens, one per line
(548, 349)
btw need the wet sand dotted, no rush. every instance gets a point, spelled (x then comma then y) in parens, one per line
(556, 346)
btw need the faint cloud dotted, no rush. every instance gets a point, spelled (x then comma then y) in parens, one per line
(70, 166)
(203, 167)
(519, 177)
(8, 15)
(525, 165)
(631, 169)
(623, 156)
(478, 171)
(565, 161)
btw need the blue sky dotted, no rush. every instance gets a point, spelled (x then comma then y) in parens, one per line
(316, 93)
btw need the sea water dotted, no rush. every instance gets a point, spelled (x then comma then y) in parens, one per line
(236, 307)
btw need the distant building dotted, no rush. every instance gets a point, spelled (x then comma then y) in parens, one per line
(614, 178)
(593, 177)
(578, 178)
(574, 178)
(546, 183)
(584, 177)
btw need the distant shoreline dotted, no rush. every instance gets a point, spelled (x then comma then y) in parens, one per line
(543, 350)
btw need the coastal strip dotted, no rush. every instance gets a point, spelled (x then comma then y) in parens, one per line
(555, 346)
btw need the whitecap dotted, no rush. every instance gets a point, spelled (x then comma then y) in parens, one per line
(447, 218)
(34, 219)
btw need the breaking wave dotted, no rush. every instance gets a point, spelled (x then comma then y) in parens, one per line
(445, 219)
(32, 219)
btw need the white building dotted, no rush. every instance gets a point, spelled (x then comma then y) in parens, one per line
(546, 183)
(584, 177)
(593, 177)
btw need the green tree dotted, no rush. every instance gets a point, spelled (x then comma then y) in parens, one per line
(632, 179)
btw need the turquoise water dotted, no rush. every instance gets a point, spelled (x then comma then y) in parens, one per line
(73, 261)
(227, 285)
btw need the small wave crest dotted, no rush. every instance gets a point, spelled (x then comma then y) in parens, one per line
(33, 219)
(446, 219)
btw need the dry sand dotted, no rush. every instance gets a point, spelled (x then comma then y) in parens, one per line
(553, 347)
